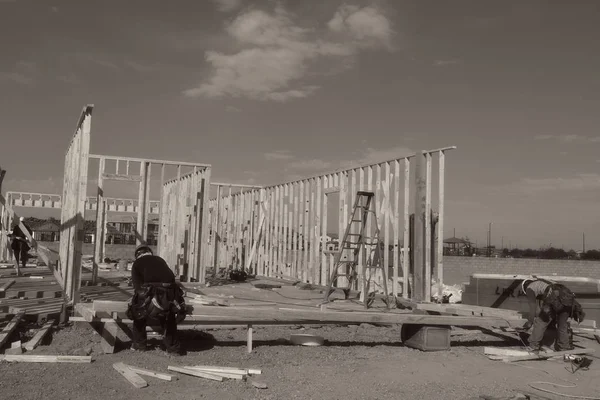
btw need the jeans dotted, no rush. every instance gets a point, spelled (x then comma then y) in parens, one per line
(539, 329)
(21, 252)
(170, 337)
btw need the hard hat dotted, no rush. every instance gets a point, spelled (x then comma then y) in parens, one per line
(21, 219)
(142, 248)
(526, 283)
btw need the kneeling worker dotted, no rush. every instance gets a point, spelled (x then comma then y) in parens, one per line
(556, 303)
(157, 297)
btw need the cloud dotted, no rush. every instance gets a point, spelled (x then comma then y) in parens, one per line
(443, 63)
(276, 53)
(570, 138)
(368, 157)
(22, 73)
(367, 25)
(279, 155)
(231, 108)
(580, 182)
(311, 165)
(227, 5)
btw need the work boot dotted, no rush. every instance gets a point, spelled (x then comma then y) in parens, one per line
(139, 347)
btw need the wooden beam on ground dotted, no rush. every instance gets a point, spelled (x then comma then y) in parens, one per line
(131, 376)
(147, 372)
(39, 336)
(544, 356)
(10, 328)
(46, 359)
(196, 373)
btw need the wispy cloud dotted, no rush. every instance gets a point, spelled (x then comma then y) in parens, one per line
(279, 155)
(277, 53)
(580, 182)
(227, 5)
(367, 157)
(570, 138)
(22, 73)
(231, 108)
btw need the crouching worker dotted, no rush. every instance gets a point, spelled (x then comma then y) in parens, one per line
(550, 303)
(157, 300)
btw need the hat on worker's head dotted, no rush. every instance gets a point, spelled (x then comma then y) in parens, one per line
(141, 250)
(21, 219)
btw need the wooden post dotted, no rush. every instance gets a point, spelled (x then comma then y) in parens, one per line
(440, 225)
(420, 276)
(98, 240)
(406, 240)
(428, 244)
(216, 230)
(141, 225)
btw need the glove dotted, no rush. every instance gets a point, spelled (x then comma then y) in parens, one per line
(527, 325)
(579, 317)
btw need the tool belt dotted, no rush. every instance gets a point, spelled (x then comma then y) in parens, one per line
(157, 301)
(558, 298)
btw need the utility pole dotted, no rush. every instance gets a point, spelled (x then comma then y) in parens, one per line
(490, 240)
(502, 242)
(583, 242)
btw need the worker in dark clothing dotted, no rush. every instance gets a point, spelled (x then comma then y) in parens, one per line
(157, 298)
(20, 243)
(550, 303)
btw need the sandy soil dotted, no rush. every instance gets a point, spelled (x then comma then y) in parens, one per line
(357, 362)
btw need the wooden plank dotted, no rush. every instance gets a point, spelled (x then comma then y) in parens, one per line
(108, 337)
(6, 285)
(195, 373)
(147, 372)
(10, 328)
(544, 356)
(109, 306)
(39, 336)
(131, 376)
(45, 358)
(496, 351)
(318, 246)
(256, 315)
(386, 215)
(242, 371)
(324, 280)
(122, 177)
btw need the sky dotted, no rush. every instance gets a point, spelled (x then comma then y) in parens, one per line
(268, 91)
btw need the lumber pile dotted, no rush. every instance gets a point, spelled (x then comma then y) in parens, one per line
(215, 373)
(511, 355)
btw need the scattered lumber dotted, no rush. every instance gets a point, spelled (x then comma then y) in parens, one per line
(545, 356)
(46, 359)
(196, 373)
(10, 328)
(109, 306)
(131, 376)
(147, 372)
(39, 336)
(497, 352)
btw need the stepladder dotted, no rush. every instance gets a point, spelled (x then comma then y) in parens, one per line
(359, 257)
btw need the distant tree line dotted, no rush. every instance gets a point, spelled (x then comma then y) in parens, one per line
(551, 253)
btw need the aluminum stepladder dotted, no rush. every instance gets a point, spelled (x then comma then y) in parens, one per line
(359, 249)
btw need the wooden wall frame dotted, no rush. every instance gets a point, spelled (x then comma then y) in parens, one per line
(287, 222)
(73, 206)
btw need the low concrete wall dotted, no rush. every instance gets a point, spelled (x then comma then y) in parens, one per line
(458, 269)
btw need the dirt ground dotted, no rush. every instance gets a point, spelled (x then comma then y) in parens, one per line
(356, 362)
